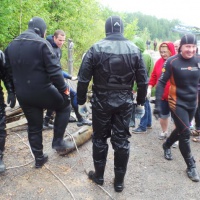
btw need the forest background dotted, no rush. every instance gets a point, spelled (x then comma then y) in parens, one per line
(82, 20)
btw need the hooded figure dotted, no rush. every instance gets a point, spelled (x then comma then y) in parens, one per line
(114, 25)
(114, 63)
(38, 25)
(39, 84)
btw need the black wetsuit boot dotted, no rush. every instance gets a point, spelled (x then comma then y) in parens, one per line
(98, 175)
(35, 140)
(100, 151)
(191, 169)
(120, 161)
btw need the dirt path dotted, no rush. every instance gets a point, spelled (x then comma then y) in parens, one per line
(149, 175)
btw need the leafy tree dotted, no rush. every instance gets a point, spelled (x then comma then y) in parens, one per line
(82, 20)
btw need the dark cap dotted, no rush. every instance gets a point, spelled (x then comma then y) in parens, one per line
(188, 39)
(114, 24)
(38, 25)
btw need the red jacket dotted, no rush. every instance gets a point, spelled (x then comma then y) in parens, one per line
(157, 70)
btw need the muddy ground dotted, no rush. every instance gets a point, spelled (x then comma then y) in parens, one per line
(149, 176)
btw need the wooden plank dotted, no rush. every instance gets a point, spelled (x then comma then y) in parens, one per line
(13, 111)
(16, 123)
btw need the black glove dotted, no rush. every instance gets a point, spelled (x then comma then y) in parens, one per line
(156, 113)
(11, 99)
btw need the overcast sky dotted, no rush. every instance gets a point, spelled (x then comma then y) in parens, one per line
(186, 11)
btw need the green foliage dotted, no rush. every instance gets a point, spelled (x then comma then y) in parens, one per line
(82, 20)
(131, 29)
(14, 17)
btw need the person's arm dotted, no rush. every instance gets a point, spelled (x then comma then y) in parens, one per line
(165, 76)
(6, 75)
(84, 77)
(66, 75)
(141, 80)
(153, 78)
(53, 68)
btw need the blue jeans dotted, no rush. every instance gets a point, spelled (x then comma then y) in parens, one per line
(146, 120)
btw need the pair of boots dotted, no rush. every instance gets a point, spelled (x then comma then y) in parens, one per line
(98, 175)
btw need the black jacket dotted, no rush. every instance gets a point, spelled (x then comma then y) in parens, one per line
(114, 63)
(34, 63)
(57, 50)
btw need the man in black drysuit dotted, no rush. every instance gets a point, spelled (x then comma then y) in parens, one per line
(114, 63)
(7, 80)
(39, 84)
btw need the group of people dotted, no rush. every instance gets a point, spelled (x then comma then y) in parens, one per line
(33, 72)
(176, 75)
(148, 45)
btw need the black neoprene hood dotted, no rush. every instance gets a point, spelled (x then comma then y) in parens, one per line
(38, 25)
(188, 39)
(114, 24)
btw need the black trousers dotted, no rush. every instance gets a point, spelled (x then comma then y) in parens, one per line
(182, 118)
(111, 122)
(2, 127)
(197, 114)
(33, 105)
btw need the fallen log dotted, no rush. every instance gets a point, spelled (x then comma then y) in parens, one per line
(13, 111)
(16, 123)
(80, 137)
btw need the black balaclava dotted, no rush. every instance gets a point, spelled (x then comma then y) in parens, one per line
(114, 25)
(38, 25)
(187, 39)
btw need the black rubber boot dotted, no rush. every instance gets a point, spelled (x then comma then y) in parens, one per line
(121, 157)
(40, 161)
(191, 170)
(100, 151)
(119, 181)
(2, 165)
(97, 176)
(46, 122)
(60, 124)
(47, 125)
(35, 140)
(60, 145)
(167, 152)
